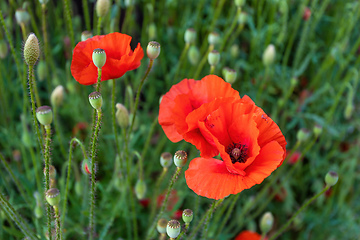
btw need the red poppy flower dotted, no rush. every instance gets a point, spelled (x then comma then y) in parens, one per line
(248, 235)
(293, 158)
(119, 58)
(184, 105)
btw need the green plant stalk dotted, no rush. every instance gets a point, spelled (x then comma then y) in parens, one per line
(203, 61)
(230, 30)
(113, 116)
(212, 69)
(86, 14)
(98, 84)
(260, 7)
(69, 22)
(156, 191)
(99, 25)
(57, 130)
(261, 88)
(287, 224)
(148, 139)
(187, 225)
(36, 168)
(92, 194)
(47, 174)
(8, 208)
(228, 214)
(217, 13)
(206, 224)
(164, 204)
(181, 60)
(57, 223)
(270, 23)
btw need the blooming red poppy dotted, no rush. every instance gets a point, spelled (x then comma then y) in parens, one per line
(119, 58)
(248, 235)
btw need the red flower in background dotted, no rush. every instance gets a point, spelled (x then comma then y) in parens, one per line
(119, 58)
(173, 199)
(248, 235)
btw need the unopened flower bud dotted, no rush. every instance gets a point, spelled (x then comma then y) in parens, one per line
(180, 158)
(213, 38)
(193, 55)
(331, 178)
(152, 31)
(317, 130)
(57, 96)
(102, 7)
(53, 196)
(173, 228)
(268, 57)
(44, 115)
(52, 172)
(166, 159)
(99, 57)
(31, 50)
(242, 18)
(187, 215)
(303, 135)
(122, 115)
(153, 50)
(22, 16)
(190, 36)
(38, 211)
(161, 225)
(86, 35)
(85, 167)
(95, 100)
(213, 57)
(41, 71)
(266, 222)
(230, 75)
(140, 189)
(349, 108)
(3, 49)
(234, 51)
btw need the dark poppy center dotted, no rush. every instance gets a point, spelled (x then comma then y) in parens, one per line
(237, 152)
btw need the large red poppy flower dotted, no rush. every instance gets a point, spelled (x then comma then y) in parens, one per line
(119, 58)
(251, 146)
(248, 235)
(183, 106)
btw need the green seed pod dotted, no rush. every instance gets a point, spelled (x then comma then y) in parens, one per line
(349, 109)
(31, 50)
(213, 57)
(152, 31)
(86, 35)
(187, 215)
(153, 50)
(213, 38)
(52, 172)
(22, 16)
(26, 139)
(99, 57)
(317, 130)
(122, 115)
(44, 115)
(193, 55)
(57, 96)
(140, 189)
(180, 158)
(41, 71)
(96, 100)
(166, 159)
(331, 178)
(161, 225)
(230, 75)
(234, 51)
(102, 7)
(303, 135)
(268, 57)
(38, 211)
(190, 36)
(266, 222)
(173, 228)
(53, 196)
(242, 18)
(239, 3)
(3, 49)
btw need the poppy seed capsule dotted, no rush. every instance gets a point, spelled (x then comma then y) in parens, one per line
(266, 222)
(239, 3)
(173, 228)
(95, 100)
(180, 158)
(268, 57)
(230, 75)
(190, 36)
(99, 57)
(161, 225)
(303, 135)
(331, 178)
(52, 172)
(140, 189)
(213, 57)
(193, 55)
(102, 7)
(187, 215)
(213, 38)
(53, 196)
(122, 115)
(44, 115)
(22, 16)
(166, 159)
(31, 50)
(153, 50)
(85, 35)
(317, 130)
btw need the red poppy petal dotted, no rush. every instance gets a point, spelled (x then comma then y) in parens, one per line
(248, 235)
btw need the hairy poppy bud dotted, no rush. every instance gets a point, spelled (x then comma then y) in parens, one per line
(53, 196)
(122, 115)
(266, 222)
(86, 35)
(161, 225)
(331, 178)
(180, 158)
(99, 57)
(213, 38)
(140, 189)
(166, 159)
(213, 57)
(96, 100)
(57, 96)
(187, 215)
(269, 55)
(3, 49)
(193, 55)
(102, 7)
(44, 115)
(31, 50)
(153, 50)
(190, 36)
(22, 16)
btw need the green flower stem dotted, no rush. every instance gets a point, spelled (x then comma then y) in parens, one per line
(9, 210)
(68, 173)
(36, 168)
(47, 174)
(57, 223)
(99, 25)
(181, 60)
(228, 214)
(205, 228)
(204, 218)
(156, 191)
(98, 80)
(282, 230)
(113, 116)
(57, 130)
(203, 61)
(86, 14)
(92, 194)
(148, 139)
(230, 30)
(218, 8)
(164, 204)
(187, 225)
(262, 85)
(69, 22)
(212, 69)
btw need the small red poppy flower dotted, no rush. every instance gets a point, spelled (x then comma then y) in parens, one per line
(293, 158)
(177, 214)
(144, 202)
(119, 58)
(173, 199)
(307, 14)
(248, 235)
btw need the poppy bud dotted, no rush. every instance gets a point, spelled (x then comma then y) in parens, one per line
(102, 7)
(38, 211)
(230, 75)
(187, 215)
(22, 16)
(268, 57)
(193, 55)
(85, 35)
(303, 135)
(213, 57)
(331, 178)
(57, 96)
(122, 115)
(140, 189)
(85, 167)
(161, 225)
(166, 159)
(99, 57)
(317, 130)
(26, 139)
(95, 100)
(239, 3)
(266, 222)
(53, 196)
(3, 49)
(153, 50)
(190, 36)
(213, 38)
(152, 31)
(349, 108)
(180, 158)
(31, 50)
(242, 18)
(44, 115)
(234, 51)
(173, 228)
(41, 71)
(52, 172)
